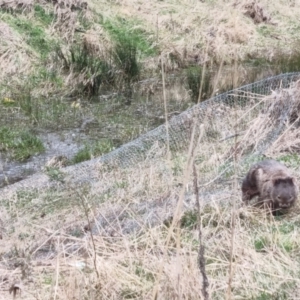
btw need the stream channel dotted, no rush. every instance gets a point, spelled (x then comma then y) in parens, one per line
(117, 120)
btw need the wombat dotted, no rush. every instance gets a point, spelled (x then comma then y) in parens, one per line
(272, 182)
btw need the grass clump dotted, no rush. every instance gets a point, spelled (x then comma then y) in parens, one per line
(44, 76)
(261, 243)
(126, 57)
(97, 149)
(96, 71)
(19, 144)
(46, 18)
(116, 69)
(55, 174)
(189, 219)
(194, 83)
(290, 63)
(281, 63)
(126, 30)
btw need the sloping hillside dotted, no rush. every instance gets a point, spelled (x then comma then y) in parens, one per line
(97, 231)
(64, 46)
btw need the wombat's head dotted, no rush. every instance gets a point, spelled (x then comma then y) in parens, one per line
(284, 192)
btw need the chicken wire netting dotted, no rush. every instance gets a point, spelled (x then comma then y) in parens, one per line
(237, 126)
(226, 119)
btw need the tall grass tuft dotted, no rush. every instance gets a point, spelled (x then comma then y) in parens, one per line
(126, 59)
(288, 64)
(194, 78)
(117, 70)
(97, 71)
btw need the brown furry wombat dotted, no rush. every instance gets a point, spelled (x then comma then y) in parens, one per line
(272, 182)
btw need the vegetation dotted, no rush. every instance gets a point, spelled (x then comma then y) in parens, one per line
(93, 150)
(55, 174)
(130, 32)
(265, 248)
(134, 230)
(35, 35)
(199, 82)
(46, 17)
(19, 144)
(97, 71)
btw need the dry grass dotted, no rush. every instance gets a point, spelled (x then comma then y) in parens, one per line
(215, 32)
(231, 29)
(44, 245)
(114, 238)
(66, 12)
(15, 57)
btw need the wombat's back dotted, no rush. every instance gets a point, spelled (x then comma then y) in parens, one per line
(272, 168)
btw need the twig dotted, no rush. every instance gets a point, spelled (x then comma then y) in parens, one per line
(201, 258)
(203, 75)
(233, 214)
(230, 137)
(57, 273)
(86, 212)
(165, 107)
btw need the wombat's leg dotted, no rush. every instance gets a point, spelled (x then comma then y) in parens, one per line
(248, 192)
(246, 197)
(249, 186)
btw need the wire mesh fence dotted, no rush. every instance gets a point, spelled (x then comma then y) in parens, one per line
(226, 119)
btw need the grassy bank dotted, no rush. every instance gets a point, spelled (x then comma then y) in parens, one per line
(105, 232)
(66, 64)
(133, 233)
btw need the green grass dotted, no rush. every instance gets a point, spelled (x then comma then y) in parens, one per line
(48, 112)
(131, 30)
(261, 243)
(280, 236)
(36, 204)
(19, 144)
(33, 33)
(126, 57)
(55, 174)
(118, 70)
(290, 160)
(97, 71)
(281, 63)
(46, 18)
(264, 30)
(45, 76)
(93, 150)
(194, 78)
(142, 272)
(189, 219)
(267, 296)
(24, 198)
